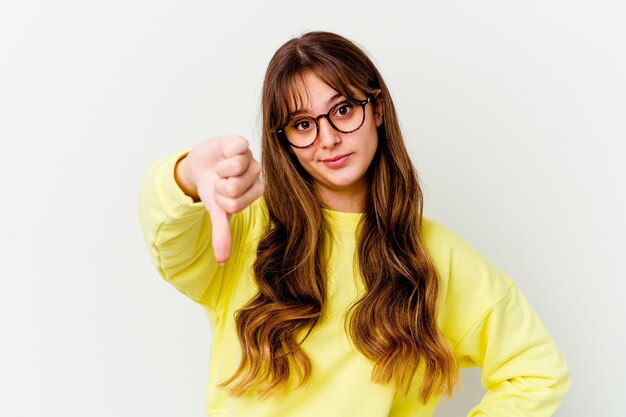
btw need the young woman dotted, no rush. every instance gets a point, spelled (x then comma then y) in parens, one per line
(331, 295)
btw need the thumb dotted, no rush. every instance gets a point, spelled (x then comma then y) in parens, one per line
(220, 223)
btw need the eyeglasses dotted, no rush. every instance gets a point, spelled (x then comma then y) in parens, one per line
(345, 117)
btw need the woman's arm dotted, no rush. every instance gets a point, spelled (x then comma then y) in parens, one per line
(491, 325)
(522, 368)
(179, 231)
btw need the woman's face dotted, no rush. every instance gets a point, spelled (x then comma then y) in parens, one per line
(337, 162)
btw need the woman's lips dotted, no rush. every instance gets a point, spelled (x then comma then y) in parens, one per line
(337, 161)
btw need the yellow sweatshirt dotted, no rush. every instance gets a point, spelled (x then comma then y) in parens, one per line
(483, 315)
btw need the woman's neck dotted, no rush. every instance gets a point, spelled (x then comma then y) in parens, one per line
(348, 201)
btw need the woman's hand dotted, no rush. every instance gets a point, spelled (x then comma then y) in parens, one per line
(223, 174)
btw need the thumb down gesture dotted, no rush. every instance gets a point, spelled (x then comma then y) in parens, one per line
(224, 175)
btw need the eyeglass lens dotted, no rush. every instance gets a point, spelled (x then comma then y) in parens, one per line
(345, 117)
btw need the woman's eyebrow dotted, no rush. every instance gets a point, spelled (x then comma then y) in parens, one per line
(328, 103)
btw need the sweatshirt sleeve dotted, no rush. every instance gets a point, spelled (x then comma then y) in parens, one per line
(522, 369)
(490, 324)
(177, 232)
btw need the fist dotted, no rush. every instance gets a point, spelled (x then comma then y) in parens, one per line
(224, 175)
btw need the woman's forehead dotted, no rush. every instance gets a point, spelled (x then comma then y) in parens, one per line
(308, 90)
(308, 102)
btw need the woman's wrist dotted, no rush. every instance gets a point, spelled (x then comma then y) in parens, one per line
(181, 175)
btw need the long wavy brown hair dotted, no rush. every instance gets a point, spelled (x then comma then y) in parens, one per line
(394, 324)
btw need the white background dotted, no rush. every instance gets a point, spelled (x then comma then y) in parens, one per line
(514, 113)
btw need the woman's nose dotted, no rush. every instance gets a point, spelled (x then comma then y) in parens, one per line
(328, 136)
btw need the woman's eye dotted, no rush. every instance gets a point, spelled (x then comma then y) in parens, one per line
(304, 124)
(343, 109)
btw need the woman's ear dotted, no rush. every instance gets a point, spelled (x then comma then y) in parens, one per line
(378, 107)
